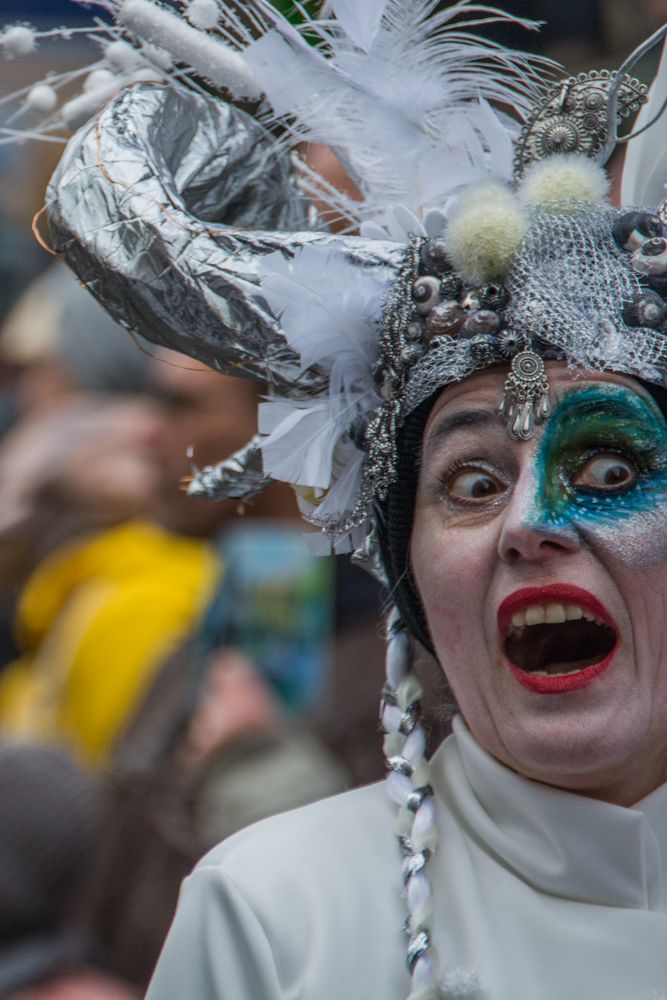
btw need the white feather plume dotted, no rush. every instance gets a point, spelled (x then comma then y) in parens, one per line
(359, 21)
(401, 95)
(328, 310)
(299, 443)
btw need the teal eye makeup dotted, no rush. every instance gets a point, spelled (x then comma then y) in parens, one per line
(602, 458)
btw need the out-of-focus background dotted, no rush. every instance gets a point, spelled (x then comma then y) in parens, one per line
(170, 670)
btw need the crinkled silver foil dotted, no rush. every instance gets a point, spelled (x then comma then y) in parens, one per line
(164, 206)
(239, 477)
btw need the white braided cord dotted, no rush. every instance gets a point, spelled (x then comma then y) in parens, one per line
(408, 785)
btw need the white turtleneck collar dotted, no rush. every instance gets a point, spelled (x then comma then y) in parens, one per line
(560, 843)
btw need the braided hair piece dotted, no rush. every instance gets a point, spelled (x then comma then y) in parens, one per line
(408, 785)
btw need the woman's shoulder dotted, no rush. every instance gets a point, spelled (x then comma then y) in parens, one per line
(282, 902)
(337, 825)
(322, 851)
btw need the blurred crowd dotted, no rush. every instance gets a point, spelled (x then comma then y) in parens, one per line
(166, 661)
(171, 669)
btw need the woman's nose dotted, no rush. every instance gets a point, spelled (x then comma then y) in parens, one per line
(527, 533)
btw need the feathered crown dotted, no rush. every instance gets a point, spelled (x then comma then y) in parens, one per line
(479, 231)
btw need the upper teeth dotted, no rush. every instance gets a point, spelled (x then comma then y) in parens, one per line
(540, 614)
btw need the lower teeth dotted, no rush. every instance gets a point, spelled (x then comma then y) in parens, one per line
(563, 670)
(556, 673)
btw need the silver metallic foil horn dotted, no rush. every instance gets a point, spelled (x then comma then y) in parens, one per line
(165, 205)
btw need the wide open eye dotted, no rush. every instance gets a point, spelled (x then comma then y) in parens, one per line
(474, 486)
(606, 473)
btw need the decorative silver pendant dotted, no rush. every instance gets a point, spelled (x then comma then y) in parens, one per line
(525, 398)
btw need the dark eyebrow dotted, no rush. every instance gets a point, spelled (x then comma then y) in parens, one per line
(457, 421)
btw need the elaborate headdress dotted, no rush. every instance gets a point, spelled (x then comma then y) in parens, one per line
(480, 233)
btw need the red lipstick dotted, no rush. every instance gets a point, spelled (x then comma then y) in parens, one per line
(541, 683)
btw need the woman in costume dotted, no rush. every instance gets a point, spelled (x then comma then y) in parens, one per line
(467, 389)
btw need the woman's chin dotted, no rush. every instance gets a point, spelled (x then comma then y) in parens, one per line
(590, 750)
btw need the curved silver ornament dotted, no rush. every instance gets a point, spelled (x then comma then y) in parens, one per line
(574, 117)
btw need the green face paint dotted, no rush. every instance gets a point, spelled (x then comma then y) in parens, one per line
(595, 434)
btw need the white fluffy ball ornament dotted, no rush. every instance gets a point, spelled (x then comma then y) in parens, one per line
(484, 232)
(42, 98)
(564, 179)
(122, 55)
(18, 40)
(202, 14)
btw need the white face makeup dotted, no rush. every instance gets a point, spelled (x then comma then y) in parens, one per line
(542, 567)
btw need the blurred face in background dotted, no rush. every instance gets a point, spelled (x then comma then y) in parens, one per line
(114, 467)
(207, 417)
(75, 469)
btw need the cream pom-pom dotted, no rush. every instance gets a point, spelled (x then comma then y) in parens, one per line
(563, 180)
(484, 232)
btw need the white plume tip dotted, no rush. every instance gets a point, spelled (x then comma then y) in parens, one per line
(203, 14)
(485, 230)
(42, 98)
(18, 40)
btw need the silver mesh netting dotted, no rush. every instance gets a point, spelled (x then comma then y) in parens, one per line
(569, 285)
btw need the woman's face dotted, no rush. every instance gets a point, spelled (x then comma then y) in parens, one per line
(542, 567)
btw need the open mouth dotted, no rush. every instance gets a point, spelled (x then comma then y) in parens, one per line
(550, 638)
(557, 645)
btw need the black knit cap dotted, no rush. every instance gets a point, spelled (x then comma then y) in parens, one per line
(396, 515)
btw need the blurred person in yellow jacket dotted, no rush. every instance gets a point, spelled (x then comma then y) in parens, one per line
(105, 594)
(110, 560)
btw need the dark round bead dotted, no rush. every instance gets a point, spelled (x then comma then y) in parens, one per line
(426, 293)
(493, 297)
(482, 321)
(414, 331)
(634, 229)
(654, 247)
(451, 285)
(650, 260)
(647, 309)
(482, 348)
(509, 343)
(434, 255)
(445, 319)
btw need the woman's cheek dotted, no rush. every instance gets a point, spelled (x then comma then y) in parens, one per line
(640, 541)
